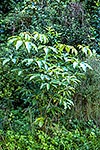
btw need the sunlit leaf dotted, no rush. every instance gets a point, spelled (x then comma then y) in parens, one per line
(67, 48)
(46, 49)
(75, 64)
(74, 51)
(88, 66)
(36, 36)
(42, 85)
(83, 66)
(14, 60)
(84, 49)
(40, 121)
(5, 61)
(27, 37)
(34, 47)
(18, 44)
(19, 73)
(10, 41)
(39, 62)
(34, 76)
(28, 46)
(53, 49)
(48, 86)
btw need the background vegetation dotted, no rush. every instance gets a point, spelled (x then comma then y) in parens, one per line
(49, 75)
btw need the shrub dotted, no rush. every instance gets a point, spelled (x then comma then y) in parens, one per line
(60, 139)
(87, 97)
(39, 75)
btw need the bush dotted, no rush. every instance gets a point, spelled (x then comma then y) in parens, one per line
(59, 139)
(39, 75)
(87, 97)
(40, 72)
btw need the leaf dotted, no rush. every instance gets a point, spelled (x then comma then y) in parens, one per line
(42, 76)
(42, 85)
(48, 86)
(35, 47)
(22, 34)
(83, 66)
(74, 50)
(41, 38)
(27, 37)
(14, 60)
(46, 67)
(45, 39)
(39, 62)
(53, 49)
(19, 73)
(75, 64)
(5, 61)
(70, 102)
(40, 121)
(34, 102)
(67, 48)
(46, 50)
(65, 105)
(29, 61)
(80, 46)
(18, 44)
(88, 66)
(10, 41)
(36, 35)
(28, 46)
(89, 52)
(34, 76)
(84, 50)
(61, 47)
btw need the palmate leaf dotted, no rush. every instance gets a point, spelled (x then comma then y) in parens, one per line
(84, 66)
(49, 69)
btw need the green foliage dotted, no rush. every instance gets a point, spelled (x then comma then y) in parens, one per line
(41, 66)
(71, 19)
(87, 97)
(95, 21)
(43, 76)
(59, 139)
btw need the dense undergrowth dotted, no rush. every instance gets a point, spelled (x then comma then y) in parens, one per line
(49, 75)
